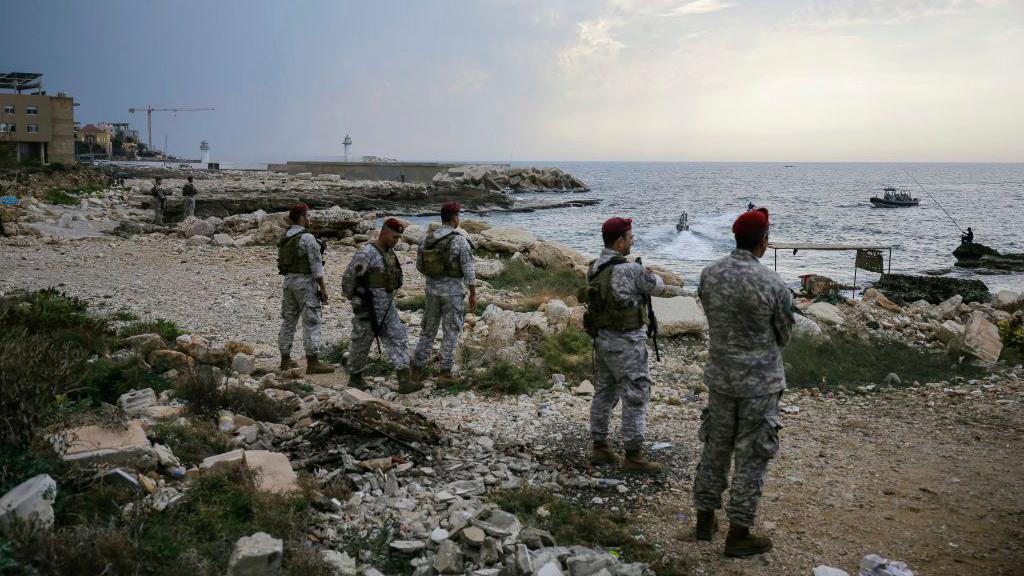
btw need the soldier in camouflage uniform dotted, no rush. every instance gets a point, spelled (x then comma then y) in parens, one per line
(300, 259)
(188, 198)
(159, 199)
(616, 317)
(750, 317)
(445, 257)
(374, 274)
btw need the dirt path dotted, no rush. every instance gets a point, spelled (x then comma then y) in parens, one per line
(928, 477)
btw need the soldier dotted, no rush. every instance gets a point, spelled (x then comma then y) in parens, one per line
(750, 317)
(188, 193)
(616, 317)
(370, 282)
(445, 257)
(300, 259)
(159, 198)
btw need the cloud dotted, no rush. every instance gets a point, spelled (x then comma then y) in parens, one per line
(700, 7)
(594, 41)
(840, 13)
(468, 81)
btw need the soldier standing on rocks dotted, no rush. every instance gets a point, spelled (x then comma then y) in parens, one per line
(616, 318)
(370, 282)
(300, 259)
(159, 199)
(445, 257)
(188, 193)
(750, 317)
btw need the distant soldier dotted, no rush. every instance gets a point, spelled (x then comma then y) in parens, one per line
(300, 259)
(159, 199)
(616, 318)
(445, 257)
(370, 282)
(188, 193)
(750, 317)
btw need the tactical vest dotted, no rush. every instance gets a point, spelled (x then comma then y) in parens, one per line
(291, 259)
(437, 259)
(604, 310)
(390, 278)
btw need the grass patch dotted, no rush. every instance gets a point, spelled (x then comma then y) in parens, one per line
(571, 523)
(207, 400)
(70, 196)
(508, 378)
(125, 316)
(413, 303)
(849, 361)
(537, 284)
(106, 380)
(569, 352)
(167, 329)
(1012, 333)
(336, 353)
(192, 442)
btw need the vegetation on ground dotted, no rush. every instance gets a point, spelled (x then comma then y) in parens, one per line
(415, 302)
(569, 522)
(537, 285)
(508, 378)
(70, 196)
(167, 329)
(206, 399)
(569, 352)
(1012, 333)
(192, 441)
(848, 361)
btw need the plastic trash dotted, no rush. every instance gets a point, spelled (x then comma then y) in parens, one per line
(659, 446)
(606, 482)
(226, 421)
(823, 570)
(875, 565)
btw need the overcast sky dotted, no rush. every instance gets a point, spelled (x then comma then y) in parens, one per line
(830, 80)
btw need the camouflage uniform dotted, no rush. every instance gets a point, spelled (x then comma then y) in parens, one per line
(394, 336)
(159, 199)
(750, 317)
(445, 300)
(620, 358)
(302, 298)
(188, 193)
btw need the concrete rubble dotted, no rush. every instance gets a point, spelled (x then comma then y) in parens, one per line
(256, 555)
(499, 178)
(30, 502)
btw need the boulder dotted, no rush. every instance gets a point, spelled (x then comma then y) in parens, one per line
(505, 239)
(30, 501)
(145, 343)
(501, 327)
(192, 226)
(270, 231)
(198, 240)
(488, 269)
(500, 524)
(981, 338)
(221, 462)
(118, 446)
(272, 470)
(335, 221)
(223, 240)
(1008, 301)
(576, 316)
(256, 555)
(192, 345)
(414, 233)
(946, 309)
(950, 332)
(135, 402)
(449, 558)
(554, 255)
(585, 388)
(473, 226)
(825, 313)
(243, 363)
(164, 360)
(679, 315)
(340, 562)
(557, 314)
(804, 327)
(875, 297)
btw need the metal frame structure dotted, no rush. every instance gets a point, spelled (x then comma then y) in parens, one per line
(20, 81)
(797, 246)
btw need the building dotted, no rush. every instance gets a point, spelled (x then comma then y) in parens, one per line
(97, 141)
(37, 126)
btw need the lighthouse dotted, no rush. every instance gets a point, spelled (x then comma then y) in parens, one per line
(348, 147)
(204, 146)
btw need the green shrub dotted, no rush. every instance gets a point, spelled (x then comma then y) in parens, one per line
(208, 400)
(19, 463)
(508, 378)
(58, 196)
(537, 284)
(850, 361)
(192, 442)
(336, 352)
(105, 380)
(1012, 333)
(569, 352)
(167, 329)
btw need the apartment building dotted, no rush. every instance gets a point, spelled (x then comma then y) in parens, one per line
(36, 125)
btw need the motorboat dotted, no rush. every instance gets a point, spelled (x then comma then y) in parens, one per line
(684, 223)
(895, 198)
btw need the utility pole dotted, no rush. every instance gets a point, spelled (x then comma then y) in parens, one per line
(149, 118)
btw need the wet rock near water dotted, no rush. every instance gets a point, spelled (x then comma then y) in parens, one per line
(503, 178)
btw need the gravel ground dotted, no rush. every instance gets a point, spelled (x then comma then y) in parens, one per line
(928, 476)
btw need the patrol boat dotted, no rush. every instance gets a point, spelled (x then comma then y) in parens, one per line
(895, 198)
(684, 223)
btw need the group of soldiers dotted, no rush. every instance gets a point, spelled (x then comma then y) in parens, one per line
(188, 194)
(750, 318)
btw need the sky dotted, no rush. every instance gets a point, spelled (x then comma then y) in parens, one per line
(525, 80)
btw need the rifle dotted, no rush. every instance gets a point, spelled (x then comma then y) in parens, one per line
(652, 321)
(365, 295)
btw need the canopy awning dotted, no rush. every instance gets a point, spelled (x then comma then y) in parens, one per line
(815, 246)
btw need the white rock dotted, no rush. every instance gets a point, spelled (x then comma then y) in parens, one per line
(1008, 301)
(825, 313)
(30, 501)
(243, 363)
(256, 555)
(223, 240)
(946, 309)
(198, 240)
(823, 570)
(552, 568)
(585, 388)
(114, 445)
(950, 332)
(679, 315)
(557, 314)
(804, 327)
(135, 402)
(192, 226)
(981, 338)
(449, 558)
(439, 535)
(340, 562)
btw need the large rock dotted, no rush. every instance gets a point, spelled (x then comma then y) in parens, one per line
(118, 446)
(557, 314)
(145, 343)
(164, 360)
(875, 297)
(270, 231)
(825, 313)
(555, 255)
(950, 332)
(1008, 301)
(198, 240)
(504, 239)
(256, 555)
(449, 558)
(804, 327)
(192, 226)
(414, 233)
(473, 226)
(679, 315)
(223, 240)
(30, 501)
(335, 221)
(981, 338)
(243, 363)
(946, 309)
(272, 470)
(135, 402)
(501, 327)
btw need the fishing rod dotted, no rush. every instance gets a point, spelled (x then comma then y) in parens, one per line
(936, 202)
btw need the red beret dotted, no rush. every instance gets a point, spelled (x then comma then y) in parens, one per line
(617, 225)
(394, 225)
(296, 211)
(451, 208)
(751, 224)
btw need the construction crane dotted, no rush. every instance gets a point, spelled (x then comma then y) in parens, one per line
(149, 119)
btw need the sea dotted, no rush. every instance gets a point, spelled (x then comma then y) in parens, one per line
(822, 203)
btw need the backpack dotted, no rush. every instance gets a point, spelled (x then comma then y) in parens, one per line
(603, 310)
(437, 258)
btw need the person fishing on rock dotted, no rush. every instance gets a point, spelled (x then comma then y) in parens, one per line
(617, 317)
(370, 282)
(750, 318)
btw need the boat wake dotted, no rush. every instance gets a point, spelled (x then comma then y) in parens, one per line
(708, 238)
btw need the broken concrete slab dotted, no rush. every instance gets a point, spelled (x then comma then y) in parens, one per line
(272, 470)
(981, 338)
(679, 315)
(256, 555)
(97, 444)
(134, 402)
(30, 501)
(222, 462)
(825, 313)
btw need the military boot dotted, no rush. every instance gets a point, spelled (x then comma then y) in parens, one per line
(313, 366)
(707, 523)
(446, 380)
(406, 385)
(636, 461)
(603, 454)
(739, 542)
(356, 381)
(416, 373)
(287, 363)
